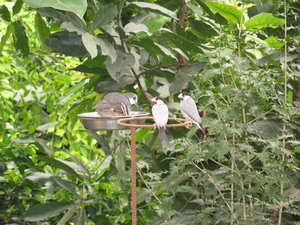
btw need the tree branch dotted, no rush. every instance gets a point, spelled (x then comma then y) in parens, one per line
(159, 67)
(137, 79)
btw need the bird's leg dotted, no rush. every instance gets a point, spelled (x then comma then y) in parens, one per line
(155, 126)
(188, 123)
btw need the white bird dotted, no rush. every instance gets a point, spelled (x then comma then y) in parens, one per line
(160, 114)
(189, 110)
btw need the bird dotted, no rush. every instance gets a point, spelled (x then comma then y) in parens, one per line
(116, 104)
(189, 110)
(160, 114)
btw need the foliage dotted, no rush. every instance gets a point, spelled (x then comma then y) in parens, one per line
(238, 60)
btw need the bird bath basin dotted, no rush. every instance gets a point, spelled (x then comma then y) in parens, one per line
(93, 121)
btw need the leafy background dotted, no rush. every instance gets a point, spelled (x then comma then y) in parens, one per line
(239, 59)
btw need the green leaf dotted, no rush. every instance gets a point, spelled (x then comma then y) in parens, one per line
(268, 129)
(67, 216)
(17, 7)
(122, 66)
(230, 13)
(71, 27)
(5, 37)
(274, 42)
(104, 15)
(106, 47)
(70, 92)
(45, 211)
(155, 8)
(61, 16)
(100, 140)
(64, 79)
(184, 76)
(60, 165)
(222, 147)
(135, 28)
(156, 22)
(68, 43)
(39, 142)
(76, 6)
(112, 85)
(65, 184)
(4, 13)
(41, 29)
(20, 38)
(263, 20)
(90, 44)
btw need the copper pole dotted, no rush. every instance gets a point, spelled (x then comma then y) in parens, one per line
(133, 127)
(133, 174)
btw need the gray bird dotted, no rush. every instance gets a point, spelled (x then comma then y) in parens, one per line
(116, 104)
(160, 114)
(189, 110)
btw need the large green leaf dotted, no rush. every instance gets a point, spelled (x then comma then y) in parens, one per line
(63, 17)
(90, 44)
(106, 48)
(65, 184)
(60, 165)
(17, 7)
(104, 15)
(263, 20)
(76, 6)
(155, 8)
(122, 66)
(65, 42)
(156, 22)
(230, 13)
(41, 29)
(112, 85)
(184, 76)
(39, 142)
(135, 28)
(5, 37)
(64, 220)
(20, 37)
(45, 211)
(4, 13)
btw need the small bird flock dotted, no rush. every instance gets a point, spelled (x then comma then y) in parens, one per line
(119, 104)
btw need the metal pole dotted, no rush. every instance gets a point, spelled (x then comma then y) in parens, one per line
(133, 174)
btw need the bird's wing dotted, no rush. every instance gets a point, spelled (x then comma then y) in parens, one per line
(114, 101)
(189, 109)
(160, 114)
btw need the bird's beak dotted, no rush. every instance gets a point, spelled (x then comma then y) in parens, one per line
(153, 99)
(180, 96)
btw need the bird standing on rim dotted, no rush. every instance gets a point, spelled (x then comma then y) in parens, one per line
(116, 104)
(189, 110)
(160, 114)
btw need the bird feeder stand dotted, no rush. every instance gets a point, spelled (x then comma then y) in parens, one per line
(133, 125)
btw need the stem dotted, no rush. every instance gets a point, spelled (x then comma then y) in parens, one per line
(214, 183)
(232, 185)
(281, 205)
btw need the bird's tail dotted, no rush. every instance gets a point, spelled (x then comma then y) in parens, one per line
(162, 133)
(201, 128)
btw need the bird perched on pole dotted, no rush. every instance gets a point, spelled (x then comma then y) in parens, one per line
(189, 110)
(116, 104)
(160, 114)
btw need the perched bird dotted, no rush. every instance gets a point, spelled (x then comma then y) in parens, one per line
(116, 104)
(160, 114)
(189, 110)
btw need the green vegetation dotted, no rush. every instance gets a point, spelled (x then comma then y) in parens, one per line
(239, 59)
